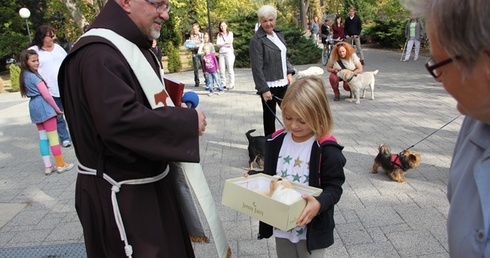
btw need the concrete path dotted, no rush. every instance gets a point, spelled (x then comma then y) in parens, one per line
(375, 217)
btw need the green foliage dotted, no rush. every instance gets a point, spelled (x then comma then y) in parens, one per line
(387, 33)
(301, 50)
(242, 27)
(170, 33)
(14, 77)
(174, 62)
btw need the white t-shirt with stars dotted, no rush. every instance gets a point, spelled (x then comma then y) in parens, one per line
(293, 164)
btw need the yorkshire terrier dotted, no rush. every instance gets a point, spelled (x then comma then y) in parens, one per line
(395, 165)
(256, 149)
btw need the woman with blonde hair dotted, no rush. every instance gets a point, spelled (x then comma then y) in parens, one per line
(271, 70)
(343, 57)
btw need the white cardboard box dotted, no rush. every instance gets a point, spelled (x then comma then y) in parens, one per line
(246, 196)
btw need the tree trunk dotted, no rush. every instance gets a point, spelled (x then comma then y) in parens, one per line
(98, 5)
(75, 13)
(304, 4)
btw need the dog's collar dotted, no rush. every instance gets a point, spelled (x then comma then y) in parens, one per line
(353, 75)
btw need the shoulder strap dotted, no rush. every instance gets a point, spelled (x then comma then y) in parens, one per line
(341, 64)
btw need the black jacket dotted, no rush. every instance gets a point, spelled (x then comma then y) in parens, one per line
(265, 58)
(353, 27)
(326, 172)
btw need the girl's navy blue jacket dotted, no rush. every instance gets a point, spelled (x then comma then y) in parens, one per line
(326, 172)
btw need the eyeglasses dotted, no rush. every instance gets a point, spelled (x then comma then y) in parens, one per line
(431, 65)
(50, 35)
(160, 7)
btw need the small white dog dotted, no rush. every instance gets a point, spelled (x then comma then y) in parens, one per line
(314, 70)
(358, 82)
(283, 191)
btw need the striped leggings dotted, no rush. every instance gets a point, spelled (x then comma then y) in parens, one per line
(49, 140)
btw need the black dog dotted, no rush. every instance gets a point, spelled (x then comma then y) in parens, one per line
(256, 148)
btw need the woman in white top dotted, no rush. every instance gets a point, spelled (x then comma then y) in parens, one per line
(226, 55)
(51, 55)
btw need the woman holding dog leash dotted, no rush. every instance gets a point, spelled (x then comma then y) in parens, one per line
(343, 57)
(463, 68)
(271, 70)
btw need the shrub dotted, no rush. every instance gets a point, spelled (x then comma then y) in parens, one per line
(387, 33)
(301, 50)
(14, 77)
(174, 63)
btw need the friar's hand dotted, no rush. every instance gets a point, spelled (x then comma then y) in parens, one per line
(201, 118)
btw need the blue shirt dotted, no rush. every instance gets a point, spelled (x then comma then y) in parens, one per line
(315, 28)
(39, 108)
(468, 192)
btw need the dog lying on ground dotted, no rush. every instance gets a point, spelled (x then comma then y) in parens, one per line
(395, 165)
(256, 149)
(283, 191)
(358, 82)
(314, 70)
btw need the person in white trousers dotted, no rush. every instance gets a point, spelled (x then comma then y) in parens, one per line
(414, 32)
(226, 55)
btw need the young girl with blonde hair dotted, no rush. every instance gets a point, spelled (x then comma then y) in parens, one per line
(306, 152)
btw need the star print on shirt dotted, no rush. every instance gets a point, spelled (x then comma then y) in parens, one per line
(287, 160)
(300, 231)
(296, 178)
(297, 162)
(284, 173)
(307, 179)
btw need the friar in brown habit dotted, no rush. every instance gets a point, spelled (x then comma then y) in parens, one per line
(117, 136)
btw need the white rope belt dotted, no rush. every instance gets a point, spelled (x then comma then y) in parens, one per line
(116, 186)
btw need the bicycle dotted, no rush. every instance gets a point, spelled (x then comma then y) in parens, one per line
(327, 49)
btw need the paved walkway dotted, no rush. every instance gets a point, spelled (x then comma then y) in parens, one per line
(375, 217)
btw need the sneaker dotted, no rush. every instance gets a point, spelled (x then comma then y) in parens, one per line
(220, 92)
(66, 143)
(210, 94)
(206, 88)
(49, 170)
(231, 87)
(196, 85)
(415, 59)
(65, 168)
(404, 60)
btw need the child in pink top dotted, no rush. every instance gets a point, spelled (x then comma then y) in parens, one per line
(43, 111)
(210, 67)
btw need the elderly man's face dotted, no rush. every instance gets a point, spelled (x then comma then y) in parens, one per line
(145, 15)
(471, 90)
